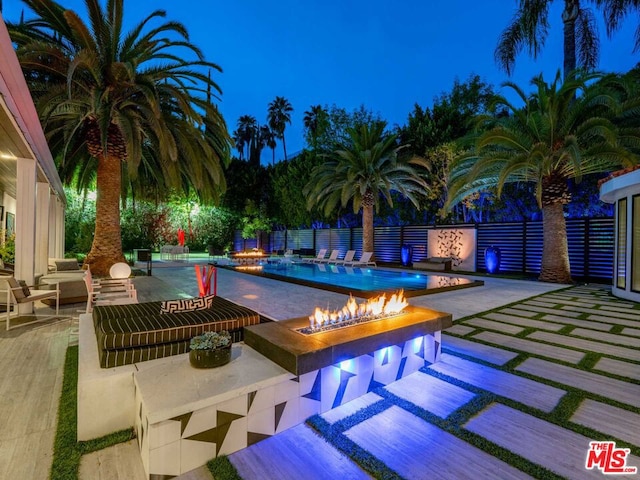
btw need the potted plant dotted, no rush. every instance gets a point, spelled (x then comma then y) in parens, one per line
(210, 349)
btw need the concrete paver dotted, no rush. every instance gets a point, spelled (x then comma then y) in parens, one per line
(293, 453)
(587, 345)
(523, 345)
(491, 325)
(26, 452)
(525, 322)
(608, 419)
(459, 329)
(623, 392)
(616, 367)
(349, 408)
(407, 439)
(523, 390)
(489, 354)
(556, 448)
(617, 339)
(430, 393)
(603, 327)
(631, 315)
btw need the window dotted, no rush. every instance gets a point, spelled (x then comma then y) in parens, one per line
(635, 245)
(621, 250)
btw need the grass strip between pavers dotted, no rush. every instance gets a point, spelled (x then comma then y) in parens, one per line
(67, 451)
(336, 437)
(560, 416)
(335, 433)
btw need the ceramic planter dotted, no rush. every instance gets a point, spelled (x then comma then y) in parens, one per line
(210, 358)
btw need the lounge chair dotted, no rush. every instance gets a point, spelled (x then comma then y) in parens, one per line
(108, 292)
(138, 332)
(365, 261)
(348, 257)
(332, 258)
(321, 254)
(17, 294)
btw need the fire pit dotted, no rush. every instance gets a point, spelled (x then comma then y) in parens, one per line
(248, 258)
(355, 314)
(293, 345)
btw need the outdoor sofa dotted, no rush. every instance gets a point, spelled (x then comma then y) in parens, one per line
(434, 263)
(138, 332)
(66, 275)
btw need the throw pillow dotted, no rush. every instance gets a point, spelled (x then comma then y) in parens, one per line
(67, 265)
(186, 304)
(25, 288)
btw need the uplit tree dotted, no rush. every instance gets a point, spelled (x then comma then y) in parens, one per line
(364, 171)
(105, 96)
(563, 131)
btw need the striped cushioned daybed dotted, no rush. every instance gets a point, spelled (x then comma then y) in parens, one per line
(138, 332)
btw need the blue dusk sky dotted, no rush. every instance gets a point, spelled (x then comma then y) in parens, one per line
(356, 52)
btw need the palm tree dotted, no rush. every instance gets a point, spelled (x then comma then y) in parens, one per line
(562, 132)
(278, 116)
(105, 96)
(314, 120)
(245, 133)
(363, 171)
(238, 140)
(268, 138)
(614, 13)
(529, 29)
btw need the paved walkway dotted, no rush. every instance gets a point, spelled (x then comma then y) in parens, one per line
(521, 390)
(519, 401)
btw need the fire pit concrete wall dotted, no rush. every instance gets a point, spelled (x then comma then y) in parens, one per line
(277, 379)
(250, 399)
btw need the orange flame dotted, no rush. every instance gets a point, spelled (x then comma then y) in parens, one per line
(259, 253)
(396, 303)
(373, 307)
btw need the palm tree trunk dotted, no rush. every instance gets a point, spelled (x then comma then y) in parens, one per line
(367, 226)
(569, 16)
(106, 248)
(555, 252)
(284, 147)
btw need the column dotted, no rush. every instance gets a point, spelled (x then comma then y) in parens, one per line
(42, 228)
(25, 224)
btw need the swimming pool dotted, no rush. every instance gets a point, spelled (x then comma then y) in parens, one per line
(362, 282)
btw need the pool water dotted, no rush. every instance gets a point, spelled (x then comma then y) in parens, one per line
(354, 279)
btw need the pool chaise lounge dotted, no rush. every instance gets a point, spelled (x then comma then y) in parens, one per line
(364, 261)
(138, 332)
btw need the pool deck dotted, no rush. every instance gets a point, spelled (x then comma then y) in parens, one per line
(519, 361)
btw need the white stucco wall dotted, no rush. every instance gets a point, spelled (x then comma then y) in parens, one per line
(457, 243)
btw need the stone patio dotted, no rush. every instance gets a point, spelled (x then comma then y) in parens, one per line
(503, 385)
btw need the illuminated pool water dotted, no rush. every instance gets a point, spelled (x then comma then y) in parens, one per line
(363, 281)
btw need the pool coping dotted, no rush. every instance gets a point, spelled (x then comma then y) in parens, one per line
(356, 292)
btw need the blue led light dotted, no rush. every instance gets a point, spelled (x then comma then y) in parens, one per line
(347, 365)
(417, 343)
